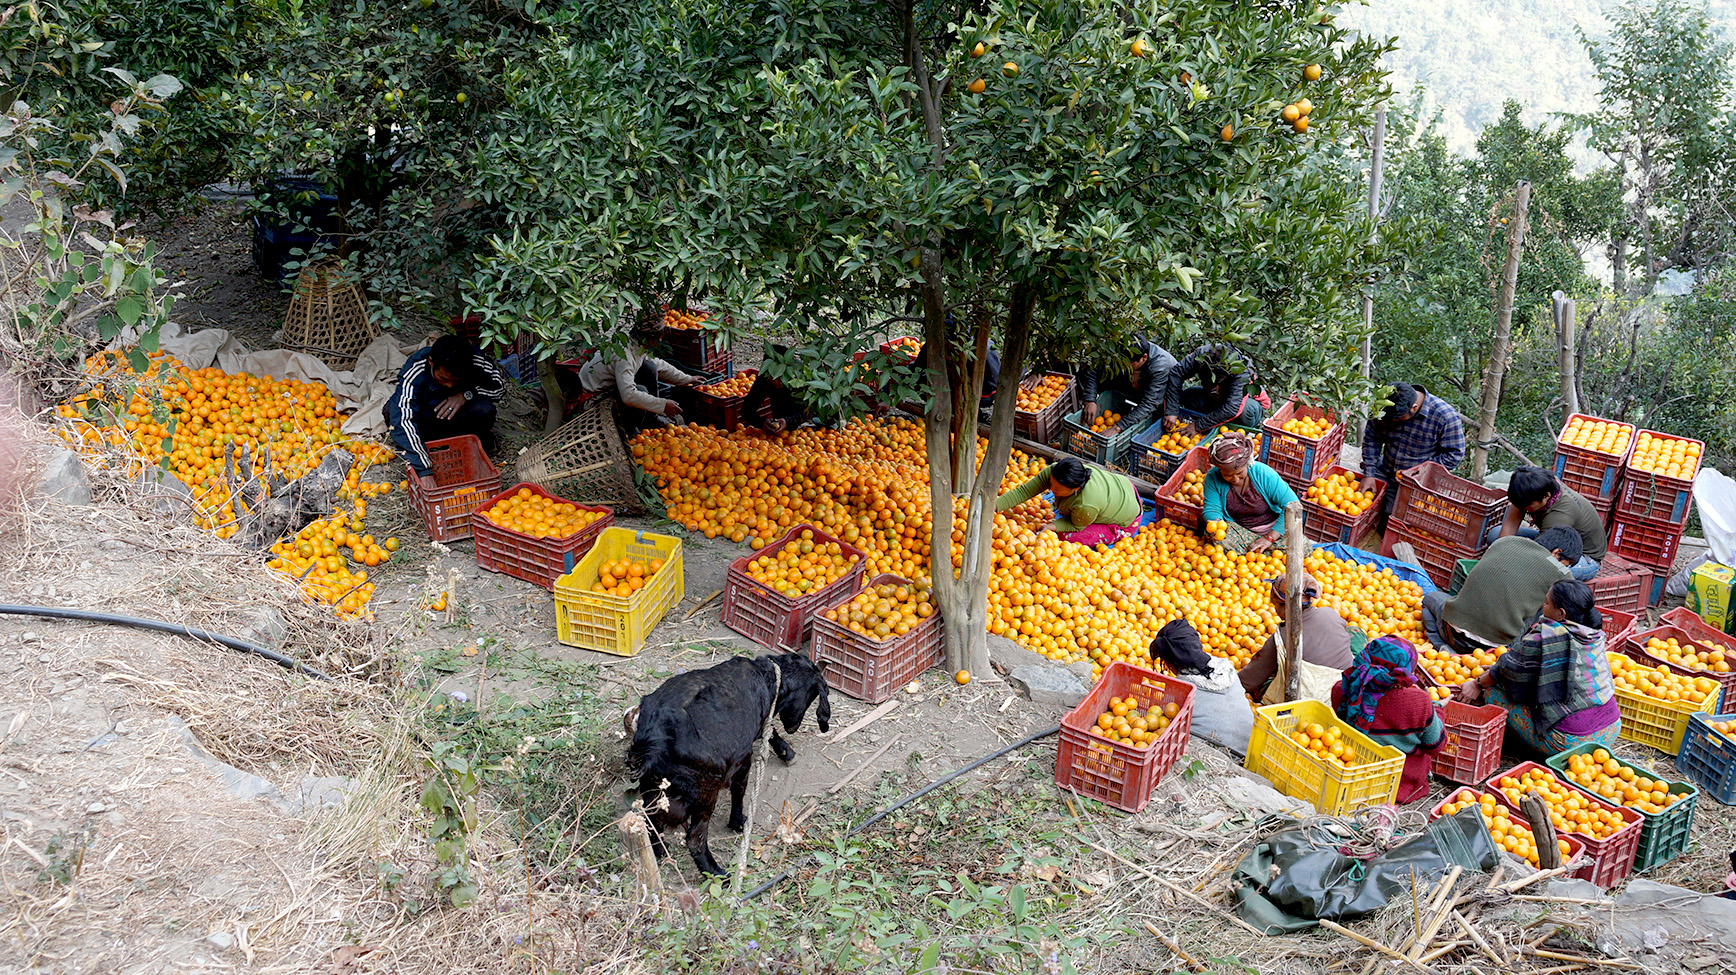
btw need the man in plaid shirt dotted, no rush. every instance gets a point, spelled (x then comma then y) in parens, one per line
(1419, 426)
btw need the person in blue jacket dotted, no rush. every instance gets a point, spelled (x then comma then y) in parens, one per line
(1239, 488)
(446, 390)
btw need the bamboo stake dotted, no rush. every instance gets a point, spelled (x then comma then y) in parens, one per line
(1370, 943)
(1178, 890)
(1584, 960)
(1192, 963)
(1525, 882)
(1294, 547)
(1470, 930)
(1439, 909)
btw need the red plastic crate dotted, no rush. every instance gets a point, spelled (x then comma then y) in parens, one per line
(1326, 525)
(1299, 459)
(1575, 848)
(1185, 514)
(696, 349)
(771, 619)
(1634, 645)
(464, 478)
(1621, 584)
(1616, 625)
(1612, 856)
(1651, 545)
(1431, 500)
(1689, 621)
(722, 412)
(873, 670)
(1438, 558)
(1471, 750)
(538, 560)
(1658, 498)
(1044, 425)
(1114, 772)
(1592, 473)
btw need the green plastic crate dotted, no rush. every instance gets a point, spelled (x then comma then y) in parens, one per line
(1665, 835)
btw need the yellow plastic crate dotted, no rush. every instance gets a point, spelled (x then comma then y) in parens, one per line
(1295, 771)
(1660, 724)
(618, 624)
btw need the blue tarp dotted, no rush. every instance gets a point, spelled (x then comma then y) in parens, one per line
(1404, 570)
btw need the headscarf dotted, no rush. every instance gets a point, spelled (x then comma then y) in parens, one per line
(1383, 665)
(1232, 450)
(1310, 589)
(1178, 645)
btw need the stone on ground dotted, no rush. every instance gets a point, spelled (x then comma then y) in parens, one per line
(64, 478)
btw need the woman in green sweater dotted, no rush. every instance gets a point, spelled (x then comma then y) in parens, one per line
(1092, 506)
(1240, 489)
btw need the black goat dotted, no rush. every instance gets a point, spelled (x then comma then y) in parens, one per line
(696, 733)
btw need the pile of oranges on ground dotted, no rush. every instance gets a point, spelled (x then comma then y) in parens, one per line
(676, 318)
(1696, 655)
(1669, 456)
(539, 515)
(1450, 669)
(867, 484)
(1569, 809)
(315, 558)
(1659, 684)
(1192, 488)
(1105, 420)
(1603, 436)
(1342, 493)
(1620, 783)
(1326, 743)
(1312, 427)
(805, 564)
(1043, 393)
(736, 385)
(1130, 724)
(1512, 835)
(624, 577)
(1177, 441)
(884, 611)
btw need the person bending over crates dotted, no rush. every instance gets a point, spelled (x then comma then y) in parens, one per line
(1092, 506)
(631, 374)
(1535, 493)
(1146, 384)
(446, 390)
(1418, 427)
(1222, 394)
(1499, 598)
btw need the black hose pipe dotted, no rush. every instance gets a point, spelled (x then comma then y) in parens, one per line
(55, 613)
(918, 794)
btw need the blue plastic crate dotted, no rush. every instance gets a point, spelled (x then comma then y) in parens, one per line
(1708, 759)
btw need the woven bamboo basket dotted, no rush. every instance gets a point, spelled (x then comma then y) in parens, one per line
(585, 461)
(328, 317)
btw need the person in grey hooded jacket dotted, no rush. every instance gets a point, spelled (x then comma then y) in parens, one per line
(1221, 714)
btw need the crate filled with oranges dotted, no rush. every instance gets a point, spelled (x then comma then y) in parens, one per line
(1658, 485)
(1182, 498)
(1655, 702)
(690, 340)
(1301, 441)
(877, 640)
(1689, 653)
(1444, 670)
(620, 590)
(773, 596)
(1155, 451)
(1611, 834)
(720, 404)
(1338, 509)
(1307, 752)
(1708, 756)
(528, 533)
(1507, 826)
(1120, 742)
(1590, 453)
(1043, 402)
(1088, 438)
(1668, 807)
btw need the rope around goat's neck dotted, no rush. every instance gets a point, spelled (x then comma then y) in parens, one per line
(759, 772)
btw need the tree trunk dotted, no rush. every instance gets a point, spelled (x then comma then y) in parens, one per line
(1498, 350)
(1564, 327)
(1618, 249)
(551, 386)
(1377, 163)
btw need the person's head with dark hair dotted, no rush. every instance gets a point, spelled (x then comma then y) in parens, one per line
(1406, 403)
(1137, 353)
(1067, 476)
(1178, 645)
(1532, 489)
(1572, 601)
(451, 361)
(647, 333)
(1564, 543)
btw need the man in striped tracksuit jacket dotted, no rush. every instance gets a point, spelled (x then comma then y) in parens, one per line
(446, 390)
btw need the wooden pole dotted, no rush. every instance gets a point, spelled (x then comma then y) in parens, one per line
(1497, 370)
(1564, 329)
(1542, 831)
(1377, 163)
(1295, 546)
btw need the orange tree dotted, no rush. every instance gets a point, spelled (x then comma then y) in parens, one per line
(1043, 177)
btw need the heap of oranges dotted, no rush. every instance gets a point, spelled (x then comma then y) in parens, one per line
(1192, 488)
(736, 385)
(1128, 723)
(884, 611)
(1373, 600)
(1570, 810)
(1216, 530)
(1669, 456)
(802, 565)
(676, 318)
(1177, 441)
(540, 516)
(1512, 835)
(1450, 669)
(1311, 427)
(1697, 655)
(1105, 420)
(314, 558)
(1342, 493)
(1043, 392)
(1605, 775)
(1602, 436)
(1659, 684)
(624, 577)
(1326, 743)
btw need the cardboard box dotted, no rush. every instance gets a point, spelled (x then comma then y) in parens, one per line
(1709, 588)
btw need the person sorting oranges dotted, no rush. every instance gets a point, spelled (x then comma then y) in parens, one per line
(1535, 493)
(1146, 383)
(1222, 394)
(446, 390)
(1500, 596)
(1328, 644)
(1418, 427)
(1379, 697)
(1555, 680)
(1242, 490)
(1220, 713)
(1092, 506)
(630, 375)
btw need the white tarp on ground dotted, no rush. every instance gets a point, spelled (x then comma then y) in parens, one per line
(362, 391)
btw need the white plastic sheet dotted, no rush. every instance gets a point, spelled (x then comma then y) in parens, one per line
(1715, 498)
